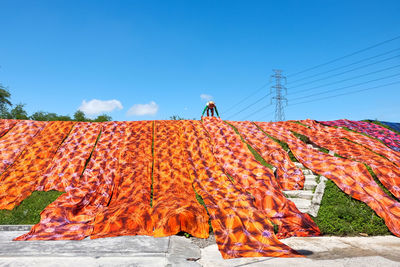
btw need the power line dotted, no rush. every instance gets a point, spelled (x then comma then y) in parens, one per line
(344, 72)
(348, 79)
(347, 93)
(349, 86)
(345, 56)
(243, 100)
(344, 66)
(248, 106)
(257, 111)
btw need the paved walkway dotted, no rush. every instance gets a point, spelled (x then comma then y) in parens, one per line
(180, 251)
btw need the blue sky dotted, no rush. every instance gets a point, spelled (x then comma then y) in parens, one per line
(138, 60)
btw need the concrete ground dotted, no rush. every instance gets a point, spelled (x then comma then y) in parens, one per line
(181, 251)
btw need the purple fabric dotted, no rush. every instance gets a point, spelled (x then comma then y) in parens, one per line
(389, 138)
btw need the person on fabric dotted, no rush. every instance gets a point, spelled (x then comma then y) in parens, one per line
(210, 107)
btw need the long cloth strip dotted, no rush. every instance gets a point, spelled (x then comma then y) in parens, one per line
(391, 139)
(129, 211)
(240, 228)
(6, 125)
(363, 140)
(351, 177)
(71, 216)
(175, 207)
(258, 180)
(289, 176)
(393, 125)
(68, 163)
(20, 180)
(387, 172)
(14, 142)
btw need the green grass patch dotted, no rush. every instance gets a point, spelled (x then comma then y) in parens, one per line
(341, 215)
(28, 212)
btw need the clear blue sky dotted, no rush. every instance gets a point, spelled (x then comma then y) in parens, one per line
(161, 56)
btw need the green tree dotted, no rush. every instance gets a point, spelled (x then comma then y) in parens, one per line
(102, 118)
(5, 102)
(80, 116)
(19, 113)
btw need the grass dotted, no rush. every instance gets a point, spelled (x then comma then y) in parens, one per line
(341, 215)
(28, 212)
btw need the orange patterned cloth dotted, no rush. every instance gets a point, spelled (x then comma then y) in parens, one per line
(6, 125)
(68, 163)
(241, 230)
(289, 176)
(258, 180)
(15, 141)
(129, 211)
(350, 176)
(175, 207)
(20, 180)
(386, 171)
(71, 216)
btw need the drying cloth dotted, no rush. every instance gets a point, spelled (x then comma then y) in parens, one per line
(129, 211)
(6, 125)
(394, 125)
(67, 165)
(387, 172)
(369, 142)
(289, 176)
(389, 138)
(241, 230)
(15, 141)
(20, 179)
(258, 180)
(71, 216)
(175, 207)
(351, 177)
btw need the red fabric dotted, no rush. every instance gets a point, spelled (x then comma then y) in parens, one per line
(6, 125)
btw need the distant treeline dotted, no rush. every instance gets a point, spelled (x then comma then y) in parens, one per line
(11, 111)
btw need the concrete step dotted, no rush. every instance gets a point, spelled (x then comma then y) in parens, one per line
(301, 204)
(307, 172)
(309, 185)
(310, 177)
(304, 194)
(299, 165)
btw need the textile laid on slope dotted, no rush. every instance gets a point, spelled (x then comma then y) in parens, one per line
(386, 171)
(69, 161)
(391, 139)
(363, 140)
(350, 176)
(20, 180)
(258, 180)
(241, 230)
(129, 211)
(289, 176)
(6, 125)
(395, 126)
(175, 207)
(15, 141)
(71, 216)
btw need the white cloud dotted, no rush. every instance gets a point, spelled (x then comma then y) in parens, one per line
(206, 97)
(95, 106)
(143, 109)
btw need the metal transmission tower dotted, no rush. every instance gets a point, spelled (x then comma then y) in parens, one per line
(279, 96)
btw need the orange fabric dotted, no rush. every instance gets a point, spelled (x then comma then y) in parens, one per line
(258, 180)
(386, 171)
(175, 207)
(241, 230)
(71, 216)
(6, 125)
(15, 141)
(129, 211)
(20, 180)
(289, 176)
(351, 177)
(68, 163)
(366, 141)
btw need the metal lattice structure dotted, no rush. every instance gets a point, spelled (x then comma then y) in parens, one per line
(279, 94)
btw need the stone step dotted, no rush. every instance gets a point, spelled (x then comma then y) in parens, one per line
(301, 204)
(299, 165)
(307, 172)
(309, 185)
(304, 194)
